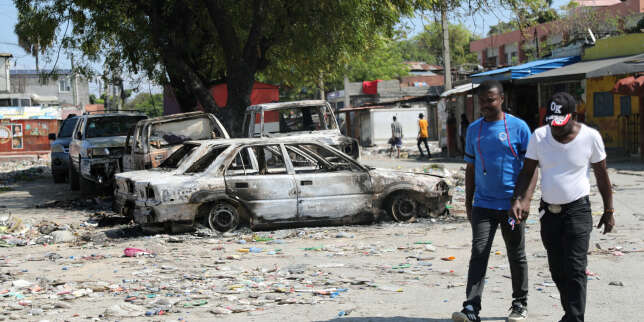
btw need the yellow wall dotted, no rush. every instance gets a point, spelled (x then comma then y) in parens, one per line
(624, 45)
(610, 127)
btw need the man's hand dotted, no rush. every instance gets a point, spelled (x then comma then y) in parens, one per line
(516, 211)
(468, 212)
(608, 221)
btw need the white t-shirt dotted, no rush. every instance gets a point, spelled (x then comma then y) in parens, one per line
(565, 167)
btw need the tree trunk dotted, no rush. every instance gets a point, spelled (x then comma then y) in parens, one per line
(447, 64)
(240, 86)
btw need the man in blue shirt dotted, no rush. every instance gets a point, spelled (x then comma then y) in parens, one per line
(494, 151)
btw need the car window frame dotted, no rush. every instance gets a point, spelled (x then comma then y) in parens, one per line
(236, 173)
(334, 151)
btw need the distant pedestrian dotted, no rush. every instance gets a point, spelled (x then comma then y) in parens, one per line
(564, 149)
(423, 134)
(494, 150)
(396, 137)
(463, 130)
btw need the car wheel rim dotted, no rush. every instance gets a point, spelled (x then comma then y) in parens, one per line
(223, 218)
(404, 208)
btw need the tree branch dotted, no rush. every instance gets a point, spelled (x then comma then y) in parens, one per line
(227, 35)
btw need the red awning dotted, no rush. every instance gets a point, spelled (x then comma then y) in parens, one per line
(630, 86)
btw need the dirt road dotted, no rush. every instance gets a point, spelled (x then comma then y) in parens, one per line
(382, 272)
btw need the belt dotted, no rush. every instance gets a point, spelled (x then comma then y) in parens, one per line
(556, 209)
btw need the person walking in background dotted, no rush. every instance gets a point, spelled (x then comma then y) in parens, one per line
(494, 150)
(463, 130)
(423, 134)
(564, 149)
(396, 137)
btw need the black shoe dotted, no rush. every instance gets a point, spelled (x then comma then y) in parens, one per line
(466, 315)
(518, 312)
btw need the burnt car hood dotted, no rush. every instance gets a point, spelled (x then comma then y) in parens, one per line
(147, 175)
(330, 137)
(106, 142)
(383, 178)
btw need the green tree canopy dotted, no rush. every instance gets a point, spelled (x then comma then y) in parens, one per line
(428, 45)
(150, 104)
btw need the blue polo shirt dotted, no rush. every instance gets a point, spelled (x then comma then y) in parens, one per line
(496, 167)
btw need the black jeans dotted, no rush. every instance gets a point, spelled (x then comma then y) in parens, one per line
(566, 236)
(426, 146)
(484, 224)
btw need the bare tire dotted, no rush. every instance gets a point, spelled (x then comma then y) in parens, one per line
(223, 217)
(402, 207)
(73, 179)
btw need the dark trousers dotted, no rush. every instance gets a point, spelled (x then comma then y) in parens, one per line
(484, 224)
(566, 236)
(426, 146)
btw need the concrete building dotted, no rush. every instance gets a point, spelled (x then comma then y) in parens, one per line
(515, 47)
(63, 88)
(4, 72)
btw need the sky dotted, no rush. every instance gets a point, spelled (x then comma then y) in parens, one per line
(478, 24)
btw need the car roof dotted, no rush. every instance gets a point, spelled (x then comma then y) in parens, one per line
(243, 141)
(277, 106)
(112, 114)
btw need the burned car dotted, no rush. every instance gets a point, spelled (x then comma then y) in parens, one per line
(177, 162)
(152, 140)
(309, 119)
(97, 147)
(276, 182)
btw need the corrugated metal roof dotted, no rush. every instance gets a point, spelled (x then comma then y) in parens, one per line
(591, 69)
(524, 70)
(460, 89)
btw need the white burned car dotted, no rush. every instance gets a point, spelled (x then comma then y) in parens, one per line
(275, 182)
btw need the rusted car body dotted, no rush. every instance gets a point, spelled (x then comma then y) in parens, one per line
(308, 119)
(274, 182)
(152, 140)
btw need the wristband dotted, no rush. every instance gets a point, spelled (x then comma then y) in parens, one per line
(609, 211)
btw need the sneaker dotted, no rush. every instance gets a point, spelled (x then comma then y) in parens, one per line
(518, 313)
(466, 315)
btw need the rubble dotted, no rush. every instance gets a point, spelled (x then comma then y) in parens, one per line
(16, 171)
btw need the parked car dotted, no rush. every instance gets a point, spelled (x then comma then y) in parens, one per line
(59, 154)
(310, 119)
(97, 147)
(273, 182)
(152, 140)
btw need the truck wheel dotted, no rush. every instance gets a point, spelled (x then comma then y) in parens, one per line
(402, 207)
(59, 177)
(223, 217)
(73, 178)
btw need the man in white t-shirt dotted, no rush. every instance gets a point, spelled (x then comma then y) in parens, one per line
(564, 149)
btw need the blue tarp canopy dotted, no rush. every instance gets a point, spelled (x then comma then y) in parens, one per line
(524, 70)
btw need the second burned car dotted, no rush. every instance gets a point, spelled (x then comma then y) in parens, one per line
(274, 182)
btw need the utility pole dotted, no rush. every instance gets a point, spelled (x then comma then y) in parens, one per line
(447, 64)
(321, 84)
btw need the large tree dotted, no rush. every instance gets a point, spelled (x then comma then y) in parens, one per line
(192, 44)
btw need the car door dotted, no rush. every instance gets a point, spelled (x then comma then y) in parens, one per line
(329, 185)
(258, 176)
